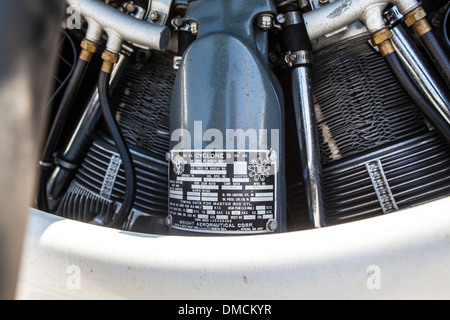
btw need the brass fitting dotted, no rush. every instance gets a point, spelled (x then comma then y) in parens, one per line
(109, 59)
(381, 39)
(380, 36)
(416, 20)
(88, 49)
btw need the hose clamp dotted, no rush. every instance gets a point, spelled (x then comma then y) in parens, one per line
(289, 18)
(302, 57)
(392, 17)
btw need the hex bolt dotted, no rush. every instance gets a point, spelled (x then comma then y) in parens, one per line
(194, 27)
(265, 21)
(177, 22)
(154, 16)
(130, 7)
(168, 221)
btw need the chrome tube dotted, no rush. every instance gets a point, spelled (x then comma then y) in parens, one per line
(421, 72)
(309, 143)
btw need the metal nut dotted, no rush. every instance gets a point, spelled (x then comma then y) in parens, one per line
(381, 36)
(153, 16)
(178, 21)
(176, 62)
(414, 16)
(272, 225)
(168, 221)
(109, 59)
(129, 7)
(265, 21)
(110, 56)
(194, 27)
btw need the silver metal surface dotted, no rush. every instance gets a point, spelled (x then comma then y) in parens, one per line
(339, 14)
(309, 143)
(120, 26)
(290, 18)
(372, 17)
(421, 72)
(159, 11)
(352, 30)
(304, 4)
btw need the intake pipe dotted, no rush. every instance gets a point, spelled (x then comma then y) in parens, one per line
(119, 26)
(339, 14)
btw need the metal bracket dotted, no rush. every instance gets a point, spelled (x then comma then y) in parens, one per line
(316, 4)
(158, 11)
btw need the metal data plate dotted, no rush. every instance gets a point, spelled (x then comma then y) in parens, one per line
(222, 191)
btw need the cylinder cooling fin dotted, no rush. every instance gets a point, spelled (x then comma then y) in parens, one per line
(378, 152)
(141, 100)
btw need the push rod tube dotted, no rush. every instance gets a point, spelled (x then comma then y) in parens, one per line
(382, 39)
(119, 26)
(295, 40)
(342, 13)
(309, 143)
(421, 72)
(417, 21)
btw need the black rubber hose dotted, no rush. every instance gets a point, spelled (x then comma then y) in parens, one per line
(420, 100)
(122, 147)
(64, 108)
(42, 198)
(51, 143)
(445, 27)
(72, 69)
(437, 54)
